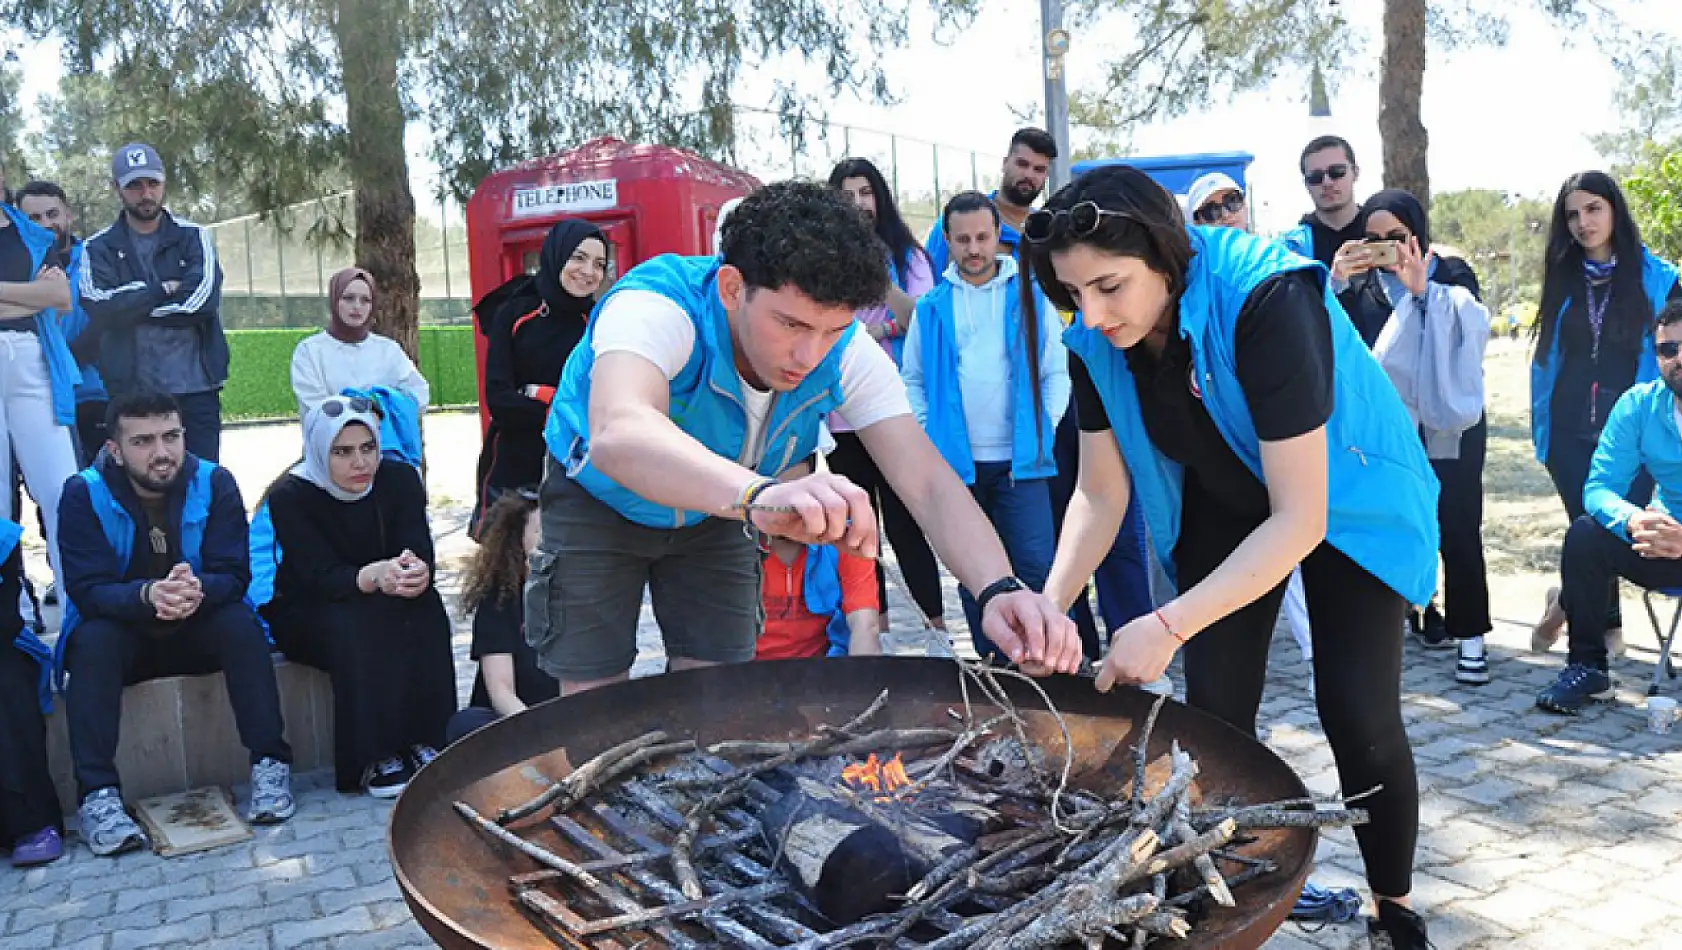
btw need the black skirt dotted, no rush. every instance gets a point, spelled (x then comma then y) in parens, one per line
(392, 669)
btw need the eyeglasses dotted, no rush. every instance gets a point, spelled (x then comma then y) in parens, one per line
(336, 406)
(527, 494)
(1082, 220)
(1334, 172)
(1212, 211)
(1669, 349)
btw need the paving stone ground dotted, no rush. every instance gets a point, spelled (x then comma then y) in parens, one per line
(1536, 831)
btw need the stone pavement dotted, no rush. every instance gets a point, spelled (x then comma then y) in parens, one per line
(1536, 831)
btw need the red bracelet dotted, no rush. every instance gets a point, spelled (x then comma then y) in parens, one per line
(1168, 627)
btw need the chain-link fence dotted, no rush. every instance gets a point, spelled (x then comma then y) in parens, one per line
(275, 272)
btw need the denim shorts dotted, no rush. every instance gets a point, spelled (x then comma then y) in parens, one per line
(584, 593)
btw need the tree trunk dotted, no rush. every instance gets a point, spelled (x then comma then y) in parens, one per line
(1400, 87)
(369, 34)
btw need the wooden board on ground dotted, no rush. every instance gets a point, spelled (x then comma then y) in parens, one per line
(195, 820)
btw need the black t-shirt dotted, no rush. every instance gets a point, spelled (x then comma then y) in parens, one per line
(1283, 344)
(1327, 240)
(1588, 385)
(499, 627)
(16, 267)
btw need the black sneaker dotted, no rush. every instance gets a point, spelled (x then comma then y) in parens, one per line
(387, 778)
(1577, 686)
(1397, 928)
(1430, 630)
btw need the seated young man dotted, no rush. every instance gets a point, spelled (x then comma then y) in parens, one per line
(819, 601)
(155, 571)
(1616, 538)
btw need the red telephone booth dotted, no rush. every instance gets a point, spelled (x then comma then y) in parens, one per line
(647, 199)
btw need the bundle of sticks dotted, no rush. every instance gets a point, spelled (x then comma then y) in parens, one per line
(1051, 866)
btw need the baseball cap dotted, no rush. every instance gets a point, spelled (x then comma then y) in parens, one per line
(136, 160)
(1211, 184)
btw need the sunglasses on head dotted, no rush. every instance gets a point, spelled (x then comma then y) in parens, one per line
(1668, 350)
(1078, 222)
(337, 406)
(1212, 211)
(1334, 172)
(527, 494)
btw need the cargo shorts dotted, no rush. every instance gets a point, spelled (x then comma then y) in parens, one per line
(584, 591)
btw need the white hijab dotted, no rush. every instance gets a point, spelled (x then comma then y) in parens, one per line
(320, 429)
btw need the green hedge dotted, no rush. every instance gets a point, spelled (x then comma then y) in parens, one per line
(260, 378)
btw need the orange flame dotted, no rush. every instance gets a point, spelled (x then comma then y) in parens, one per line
(877, 776)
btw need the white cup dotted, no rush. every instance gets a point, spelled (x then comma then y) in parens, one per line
(1661, 714)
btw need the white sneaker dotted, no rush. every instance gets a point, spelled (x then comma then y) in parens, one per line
(1473, 668)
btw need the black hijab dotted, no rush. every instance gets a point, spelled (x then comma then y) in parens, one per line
(1407, 209)
(563, 239)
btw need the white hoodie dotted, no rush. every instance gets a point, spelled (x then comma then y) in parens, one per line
(978, 316)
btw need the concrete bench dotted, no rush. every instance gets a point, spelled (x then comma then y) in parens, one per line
(178, 733)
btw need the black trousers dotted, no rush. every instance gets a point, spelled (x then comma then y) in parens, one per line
(1568, 463)
(28, 802)
(917, 563)
(392, 670)
(103, 656)
(1589, 567)
(1357, 623)
(201, 416)
(1460, 527)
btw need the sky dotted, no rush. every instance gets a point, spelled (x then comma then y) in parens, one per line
(1516, 118)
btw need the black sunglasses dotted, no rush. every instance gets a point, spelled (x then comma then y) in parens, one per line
(1211, 212)
(337, 406)
(1080, 221)
(1334, 172)
(1668, 350)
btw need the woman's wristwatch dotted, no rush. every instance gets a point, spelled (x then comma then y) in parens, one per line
(1004, 585)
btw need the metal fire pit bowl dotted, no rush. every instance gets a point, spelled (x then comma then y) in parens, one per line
(455, 880)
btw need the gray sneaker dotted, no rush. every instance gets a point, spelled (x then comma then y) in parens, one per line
(106, 826)
(271, 793)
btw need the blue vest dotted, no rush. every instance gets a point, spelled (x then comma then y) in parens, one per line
(1657, 277)
(706, 397)
(1381, 494)
(75, 323)
(26, 640)
(118, 526)
(61, 366)
(822, 593)
(1031, 440)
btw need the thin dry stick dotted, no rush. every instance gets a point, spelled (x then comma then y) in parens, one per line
(880, 740)
(1182, 831)
(933, 771)
(539, 854)
(1141, 755)
(735, 785)
(823, 745)
(581, 776)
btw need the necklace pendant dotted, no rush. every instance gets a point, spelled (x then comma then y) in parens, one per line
(160, 542)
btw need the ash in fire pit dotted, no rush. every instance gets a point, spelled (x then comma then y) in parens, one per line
(931, 838)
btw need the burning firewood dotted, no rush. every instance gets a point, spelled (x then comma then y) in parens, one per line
(937, 839)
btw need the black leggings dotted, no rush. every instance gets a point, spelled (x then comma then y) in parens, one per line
(1357, 624)
(1569, 458)
(1460, 526)
(916, 562)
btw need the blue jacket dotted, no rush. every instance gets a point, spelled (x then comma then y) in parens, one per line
(1640, 433)
(939, 256)
(119, 296)
(706, 397)
(26, 640)
(822, 592)
(62, 373)
(938, 344)
(1382, 496)
(1657, 277)
(1299, 240)
(85, 346)
(96, 530)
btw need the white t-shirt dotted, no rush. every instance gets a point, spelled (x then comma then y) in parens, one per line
(655, 328)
